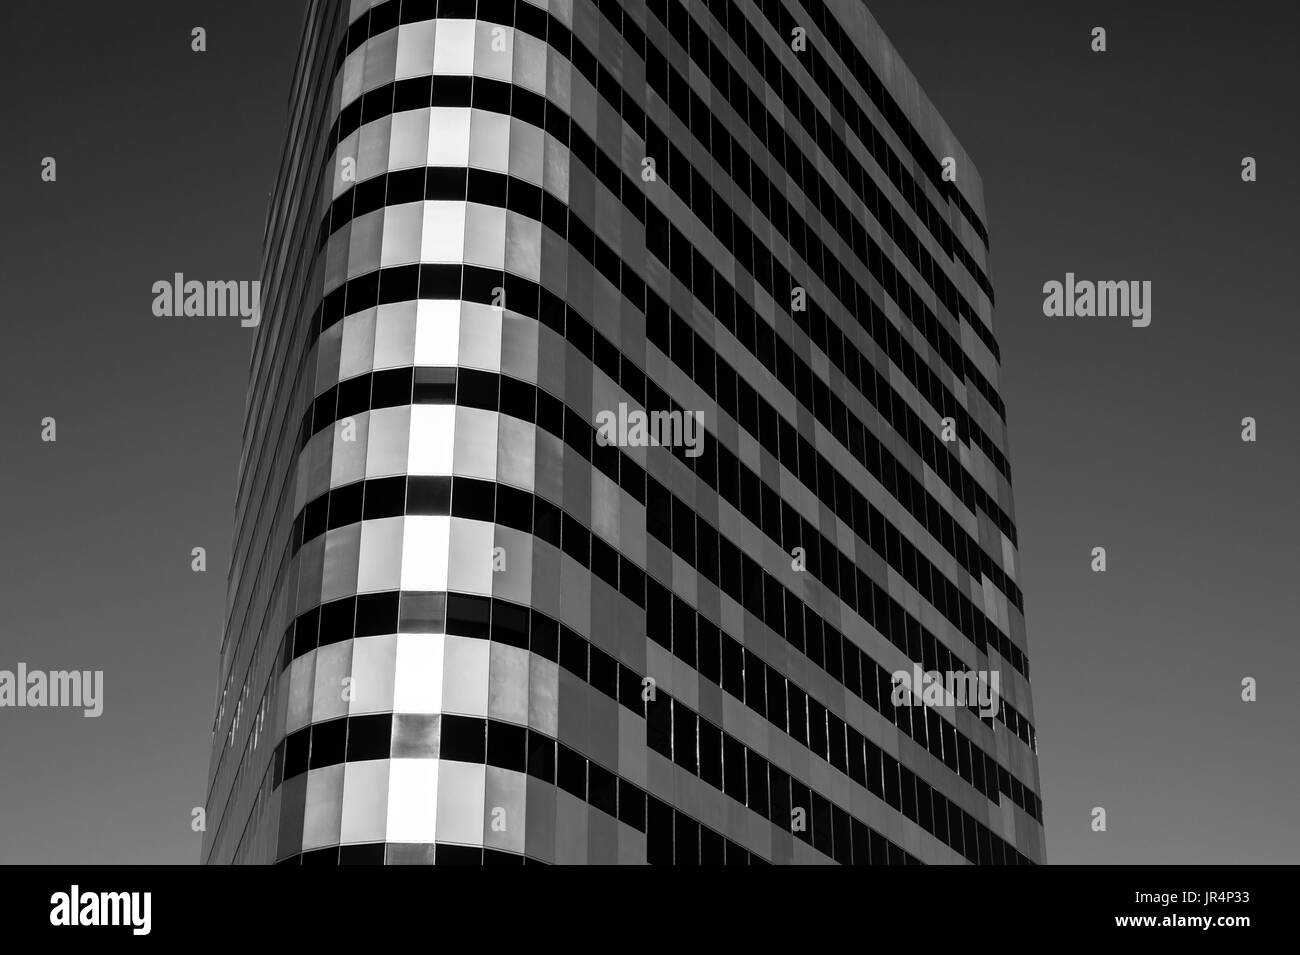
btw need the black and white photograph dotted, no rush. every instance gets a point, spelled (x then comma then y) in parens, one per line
(670, 432)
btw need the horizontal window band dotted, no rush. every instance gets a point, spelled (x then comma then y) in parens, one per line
(672, 730)
(876, 92)
(520, 196)
(509, 746)
(738, 484)
(523, 400)
(691, 637)
(710, 207)
(488, 501)
(799, 110)
(1009, 651)
(608, 172)
(717, 466)
(734, 395)
(700, 50)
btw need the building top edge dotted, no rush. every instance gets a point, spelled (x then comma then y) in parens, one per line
(866, 32)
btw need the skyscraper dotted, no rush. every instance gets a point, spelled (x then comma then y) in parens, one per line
(469, 620)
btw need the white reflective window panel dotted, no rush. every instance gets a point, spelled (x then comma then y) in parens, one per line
(494, 50)
(515, 451)
(339, 572)
(379, 561)
(319, 451)
(583, 100)
(412, 800)
(605, 393)
(485, 235)
(530, 63)
(480, 336)
(631, 747)
(523, 245)
(631, 531)
(570, 829)
(424, 552)
(476, 443)
(417, 685)
(549, 467)
(365, 242)
(526, 151)
(605, 508)
(310, 557)
(575, 595)
(333, 665)
(443, 226)
(394, 334)
(489, 140)
(555, 259)
(372, 154)
(437, 331)
(365, 801)
(607, 301)
(346, 150)
(469, 561)
(336, 257)
(326, 352)
(543, 691)
(353, 70)
(302, 692)
(507, 683)
(381, 59)
(349, 461)
(465, 675)
(504, 798)
(402, 234)
(559, 74)
(415, 48)
(409, 143)
(358, 351)
(387, 443)
(432, 446)
(453, 48)
(374, 668)
(555, 169)
(519, 347)
(460, 802)
(448, 136)
(515, 582)
(324, 809)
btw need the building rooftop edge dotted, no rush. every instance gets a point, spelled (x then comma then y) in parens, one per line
(903, 85)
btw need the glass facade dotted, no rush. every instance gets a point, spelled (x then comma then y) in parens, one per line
(462, 626)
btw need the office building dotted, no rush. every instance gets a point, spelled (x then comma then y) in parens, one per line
(463, 626)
